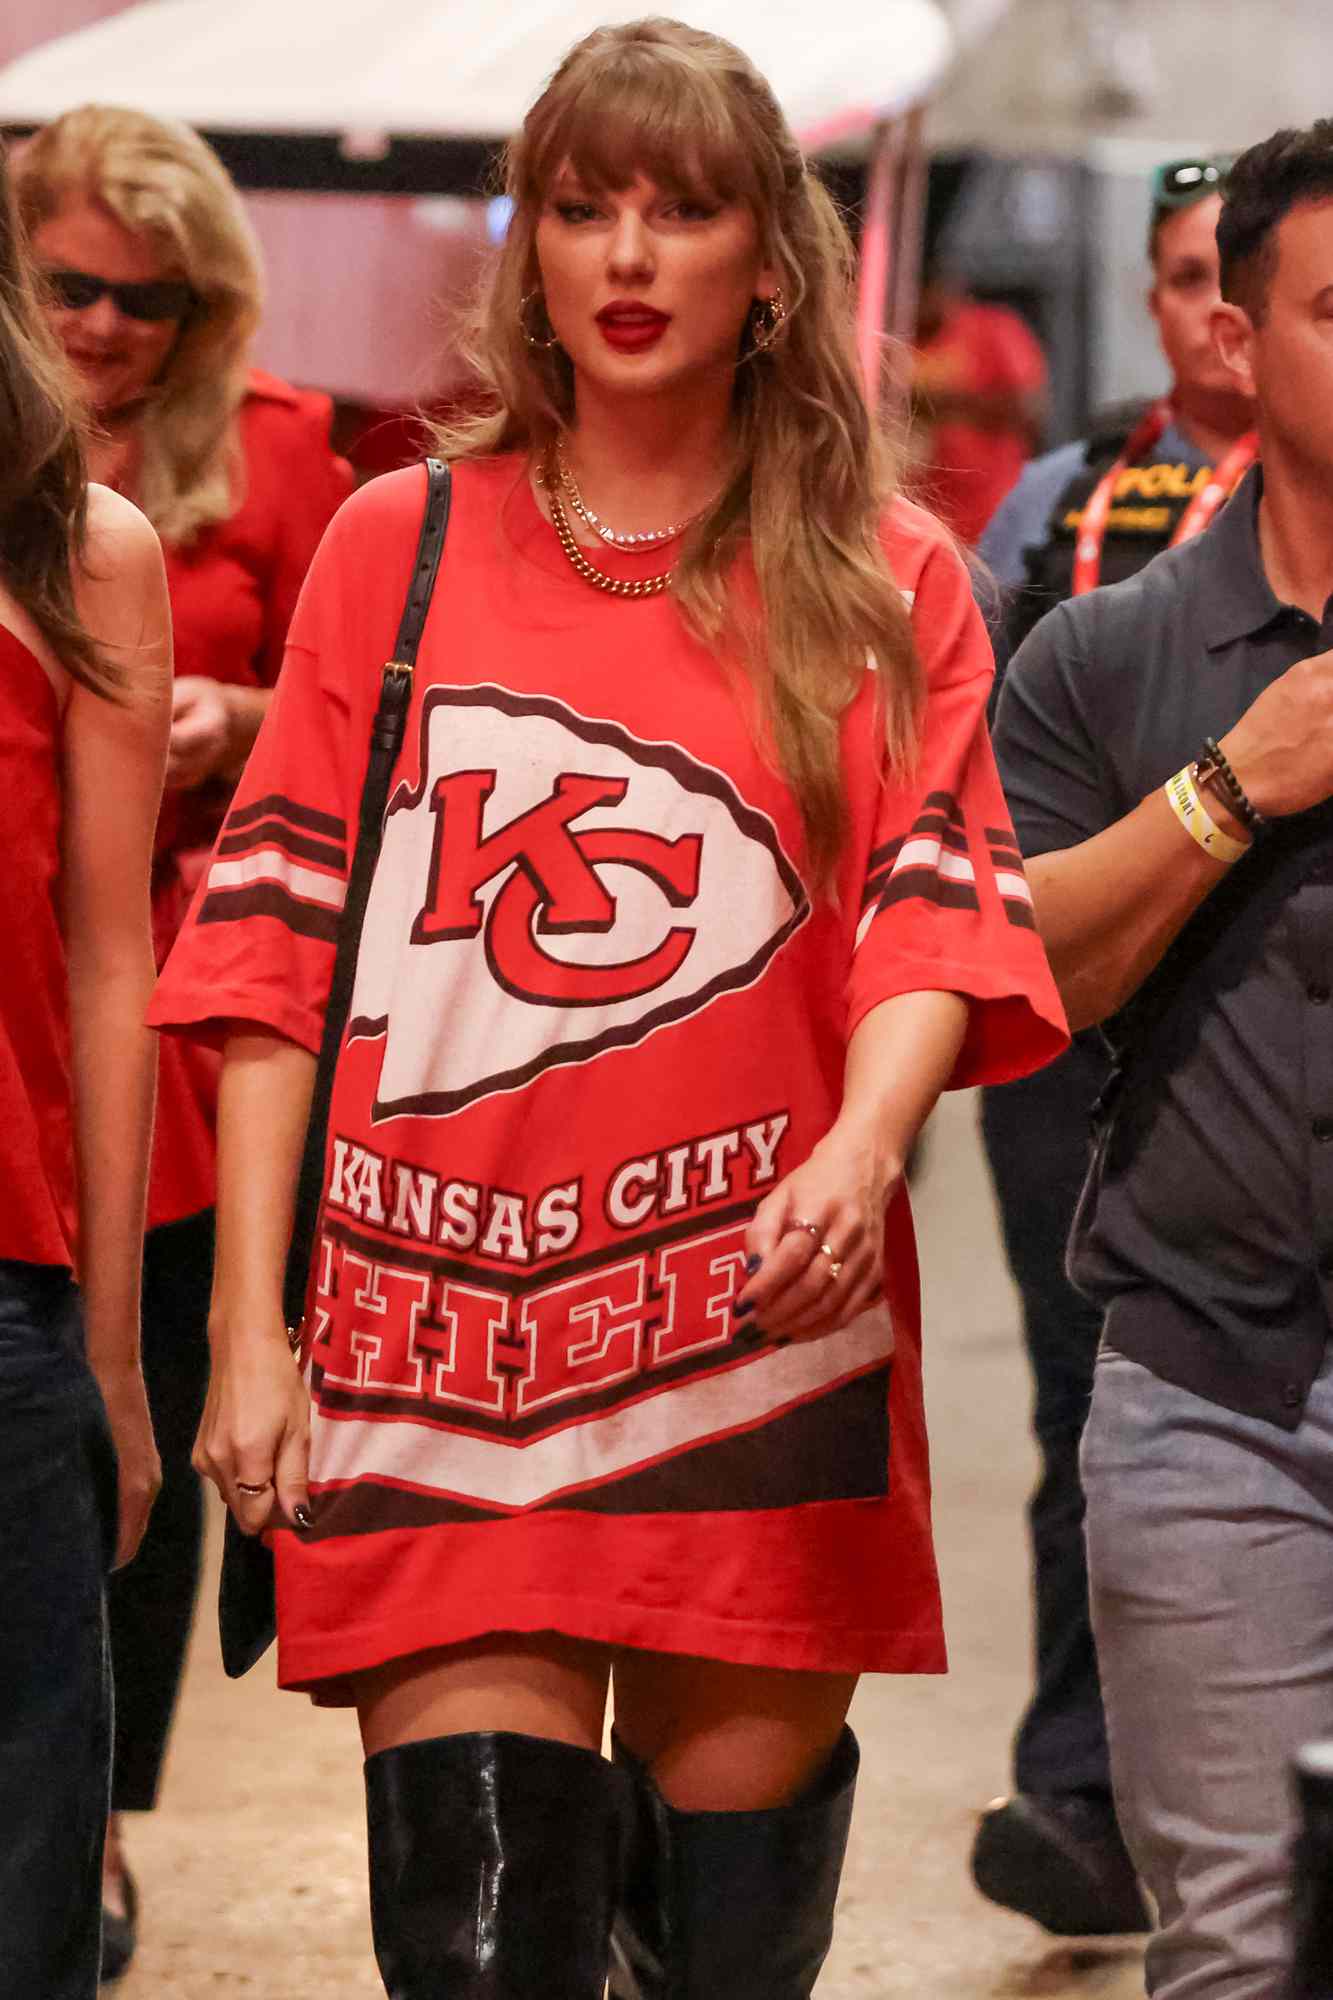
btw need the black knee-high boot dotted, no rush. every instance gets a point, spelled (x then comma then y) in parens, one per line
(495, 1866)
(732, 1905)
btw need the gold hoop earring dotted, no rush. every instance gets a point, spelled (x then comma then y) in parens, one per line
(530, 299)
(767, 319)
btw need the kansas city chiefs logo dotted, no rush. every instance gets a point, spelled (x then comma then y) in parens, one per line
(551, 889)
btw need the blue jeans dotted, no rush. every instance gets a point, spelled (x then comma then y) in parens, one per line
(1210, 1543)
(57, 1540)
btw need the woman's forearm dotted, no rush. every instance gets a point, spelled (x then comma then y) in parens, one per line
(899, 1059)
(115, 1068)
(263, 1110)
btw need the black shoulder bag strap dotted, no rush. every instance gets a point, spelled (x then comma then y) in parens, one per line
(247, 1622)
(386, 738)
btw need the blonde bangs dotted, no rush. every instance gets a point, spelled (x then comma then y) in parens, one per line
(672, 122)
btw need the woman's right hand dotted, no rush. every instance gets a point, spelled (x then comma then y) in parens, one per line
(256, 1428)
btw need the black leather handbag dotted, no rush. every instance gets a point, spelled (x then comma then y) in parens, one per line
(247, 1618)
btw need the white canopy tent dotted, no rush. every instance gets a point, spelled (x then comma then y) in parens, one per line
(414, 97)
(440, 68)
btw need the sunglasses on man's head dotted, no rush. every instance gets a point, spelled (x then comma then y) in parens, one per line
(1180, 182)
(151, 298)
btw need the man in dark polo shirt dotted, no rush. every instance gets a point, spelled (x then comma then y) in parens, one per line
(1186, 902)
(1148, 478)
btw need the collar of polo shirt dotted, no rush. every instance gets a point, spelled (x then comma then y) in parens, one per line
(1239, 599)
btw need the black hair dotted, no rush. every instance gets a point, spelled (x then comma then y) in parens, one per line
(1262, 188)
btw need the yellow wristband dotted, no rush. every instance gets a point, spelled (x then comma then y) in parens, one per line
(1189, 809)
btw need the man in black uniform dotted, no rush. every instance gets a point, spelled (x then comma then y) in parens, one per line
(1167, 750)
(1091, 512)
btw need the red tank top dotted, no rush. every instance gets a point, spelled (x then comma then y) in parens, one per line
(37, 1186)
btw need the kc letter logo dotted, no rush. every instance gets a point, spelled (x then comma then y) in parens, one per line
(552, 888)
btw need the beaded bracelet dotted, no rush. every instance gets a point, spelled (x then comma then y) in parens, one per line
(1183, 797)
(1236, 798)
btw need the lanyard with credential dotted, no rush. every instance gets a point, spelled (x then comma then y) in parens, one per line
(1221, 485)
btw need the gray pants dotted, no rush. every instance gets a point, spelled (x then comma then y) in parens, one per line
(1210, 1543)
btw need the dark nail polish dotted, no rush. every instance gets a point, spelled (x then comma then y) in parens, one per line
(752, 1265)
(750, 1334)
(739, 1312)
(303, 1517)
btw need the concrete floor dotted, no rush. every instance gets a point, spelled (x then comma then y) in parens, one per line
(252, 1872)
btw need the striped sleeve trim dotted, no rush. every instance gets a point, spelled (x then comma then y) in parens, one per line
(277, 858)
(932, 863)
(264, 900)
(1010, 880)
(272, 833)
(270, 864)
(277, 806)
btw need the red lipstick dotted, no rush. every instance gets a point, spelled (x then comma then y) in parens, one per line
(631, 327)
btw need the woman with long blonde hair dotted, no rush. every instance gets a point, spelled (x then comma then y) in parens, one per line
(153, 288)
(694, 890)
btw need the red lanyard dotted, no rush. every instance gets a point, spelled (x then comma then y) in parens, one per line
(1221, 485)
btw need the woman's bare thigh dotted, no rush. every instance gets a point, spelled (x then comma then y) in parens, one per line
(538, 1685)
(725, 1738)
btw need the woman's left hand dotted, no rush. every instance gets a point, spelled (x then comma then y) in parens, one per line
(819, 1240)
(138, 1468)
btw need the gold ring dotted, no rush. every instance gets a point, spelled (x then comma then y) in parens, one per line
(810, 1228)
(834, 1265)
(241, 1487)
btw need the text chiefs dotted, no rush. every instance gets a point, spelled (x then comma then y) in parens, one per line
(409, 1330)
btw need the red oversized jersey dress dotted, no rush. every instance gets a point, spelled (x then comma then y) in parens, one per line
(598, 1014)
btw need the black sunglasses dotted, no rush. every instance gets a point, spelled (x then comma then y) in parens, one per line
(152, 298)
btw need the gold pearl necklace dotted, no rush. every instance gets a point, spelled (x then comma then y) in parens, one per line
(614, 586)
(649, 538)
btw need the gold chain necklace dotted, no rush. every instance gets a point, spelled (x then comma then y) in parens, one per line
(649, 538)
(614, 586)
